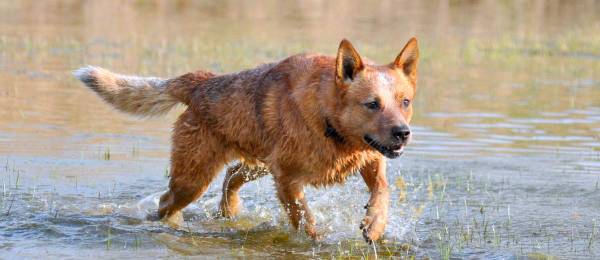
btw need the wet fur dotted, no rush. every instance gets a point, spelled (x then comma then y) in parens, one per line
(296, 119)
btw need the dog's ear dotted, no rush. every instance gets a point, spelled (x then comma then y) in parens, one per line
(408, 58)
(347, 64)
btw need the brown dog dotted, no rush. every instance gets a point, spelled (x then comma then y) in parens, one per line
(308, 120)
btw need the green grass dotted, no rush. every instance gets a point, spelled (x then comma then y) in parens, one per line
(106, 154)
(108, 237)
(592, 236)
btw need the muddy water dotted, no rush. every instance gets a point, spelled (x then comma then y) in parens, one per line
(505, 161)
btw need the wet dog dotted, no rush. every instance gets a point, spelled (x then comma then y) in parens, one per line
(308, 120)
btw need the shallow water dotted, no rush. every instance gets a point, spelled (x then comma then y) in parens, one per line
(505, 161)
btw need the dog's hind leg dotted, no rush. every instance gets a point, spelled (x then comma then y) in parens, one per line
(237, 176)
(197, 157)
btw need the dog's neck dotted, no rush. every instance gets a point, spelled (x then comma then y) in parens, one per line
(331, 132)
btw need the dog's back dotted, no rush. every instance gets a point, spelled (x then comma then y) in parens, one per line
(250, 109)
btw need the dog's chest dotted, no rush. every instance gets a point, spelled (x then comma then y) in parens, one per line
(332, 168)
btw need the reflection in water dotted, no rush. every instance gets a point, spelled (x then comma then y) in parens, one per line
(505, 160)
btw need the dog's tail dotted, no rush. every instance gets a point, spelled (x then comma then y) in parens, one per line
(142, 96)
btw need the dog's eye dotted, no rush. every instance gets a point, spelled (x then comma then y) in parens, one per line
(406, 102)
(374, 105)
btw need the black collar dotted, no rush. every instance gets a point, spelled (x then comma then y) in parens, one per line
(332, 133)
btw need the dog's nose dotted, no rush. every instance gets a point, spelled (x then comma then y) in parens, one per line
(400, 132)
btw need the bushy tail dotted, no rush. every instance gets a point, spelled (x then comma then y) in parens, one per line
(142, 96)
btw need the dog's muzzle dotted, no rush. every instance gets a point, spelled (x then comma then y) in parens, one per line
(392, 152)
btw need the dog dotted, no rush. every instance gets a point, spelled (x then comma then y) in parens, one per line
(309, 119)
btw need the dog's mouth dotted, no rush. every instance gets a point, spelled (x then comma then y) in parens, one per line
(392, 152)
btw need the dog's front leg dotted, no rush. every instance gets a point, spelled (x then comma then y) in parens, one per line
(374, 222)
(291, 195)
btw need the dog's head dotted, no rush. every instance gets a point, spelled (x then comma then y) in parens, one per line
(377, 100)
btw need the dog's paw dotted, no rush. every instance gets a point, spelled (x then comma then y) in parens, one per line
(372, 227)
(311, 231)
(174, 220)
